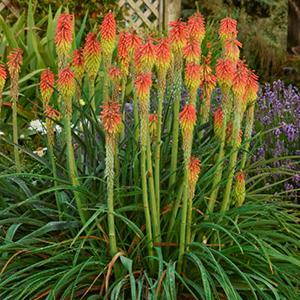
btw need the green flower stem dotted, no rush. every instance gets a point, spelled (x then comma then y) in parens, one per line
(145, 200)
(182, 241)
(219, 168)
(174, 211)
(110, 141)
(136, 137)
(122, 98)
(54, 173)
(233, 156)
(72, 167)
(92, 93)
(247, 134)
(161, 92)
(153, 203)
(189, 221)
(15, 133)
(105, 82)
(176, 108)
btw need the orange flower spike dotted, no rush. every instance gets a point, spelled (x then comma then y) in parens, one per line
(52, 113)
(178, 35)
(231, 49)
(46, 86)
(64, 34)
(192, 51)
(194, 170)
(66, 83)
(108, 34)
(196, 27)
(145, 56)
(123, 52)
(225, 71)
(218, 123)
(252, 87)
(228, 29)
(240, 79)
(3, 75)
(240, 188)
(78, 64)
(192, 76)
(143, 84)
(92, 55)
(14, 62)
(115, 74)
(111, 118)
(134, 42)
(163, 55)
(188, 118)
(153, 119)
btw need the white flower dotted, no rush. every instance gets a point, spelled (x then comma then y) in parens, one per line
(2, 133)
(22, 136)
(38, 126)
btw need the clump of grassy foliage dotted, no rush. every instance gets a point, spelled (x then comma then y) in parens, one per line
(121, 207)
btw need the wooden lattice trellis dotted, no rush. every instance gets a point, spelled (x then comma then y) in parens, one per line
(6, 4)
(138, 12)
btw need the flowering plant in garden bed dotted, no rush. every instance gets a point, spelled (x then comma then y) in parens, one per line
(134, 200)
(278, 113)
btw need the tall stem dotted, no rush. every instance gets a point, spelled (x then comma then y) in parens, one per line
(92, 93)
(15, 133)
(219, 168)
(247, 135)
(110, 194)
(72, 167)
(162, 85)
(177, 90)
(153, 203)
(233, 157)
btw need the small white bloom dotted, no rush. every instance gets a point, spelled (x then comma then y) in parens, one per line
(2, 133)
(38, 126)
(22, 136)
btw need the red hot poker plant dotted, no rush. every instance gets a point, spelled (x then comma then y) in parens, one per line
(14, 62)
(64, 37)
(3, 75)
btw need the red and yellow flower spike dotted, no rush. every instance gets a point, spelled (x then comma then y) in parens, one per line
(14, 62)
(64, 34)
(163, 55)
(252, 87)
(192, 51)
(192, 76)
(196, 27)
(78, 64)
(231, 49)
(115, 73)
(108, 34)
(52, 113)
(187, 118)
(240, 188)
(3, 75)
(218, 123)
(240, 79)
(145, 56)
(228, 29)
(66, 83)
(111, 118)
(123, 52)
(178, 35)
(225, 71)
(92, 55)
(47, 82)
(153, 121)
(193, 176)
(134, 42)
(143, 84)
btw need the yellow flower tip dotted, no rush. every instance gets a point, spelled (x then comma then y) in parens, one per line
(82, 102)
(66, 82)
(218, 122)
(192, 76)
(194, 170)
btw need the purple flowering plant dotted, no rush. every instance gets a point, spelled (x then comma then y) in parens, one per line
(278, 116)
